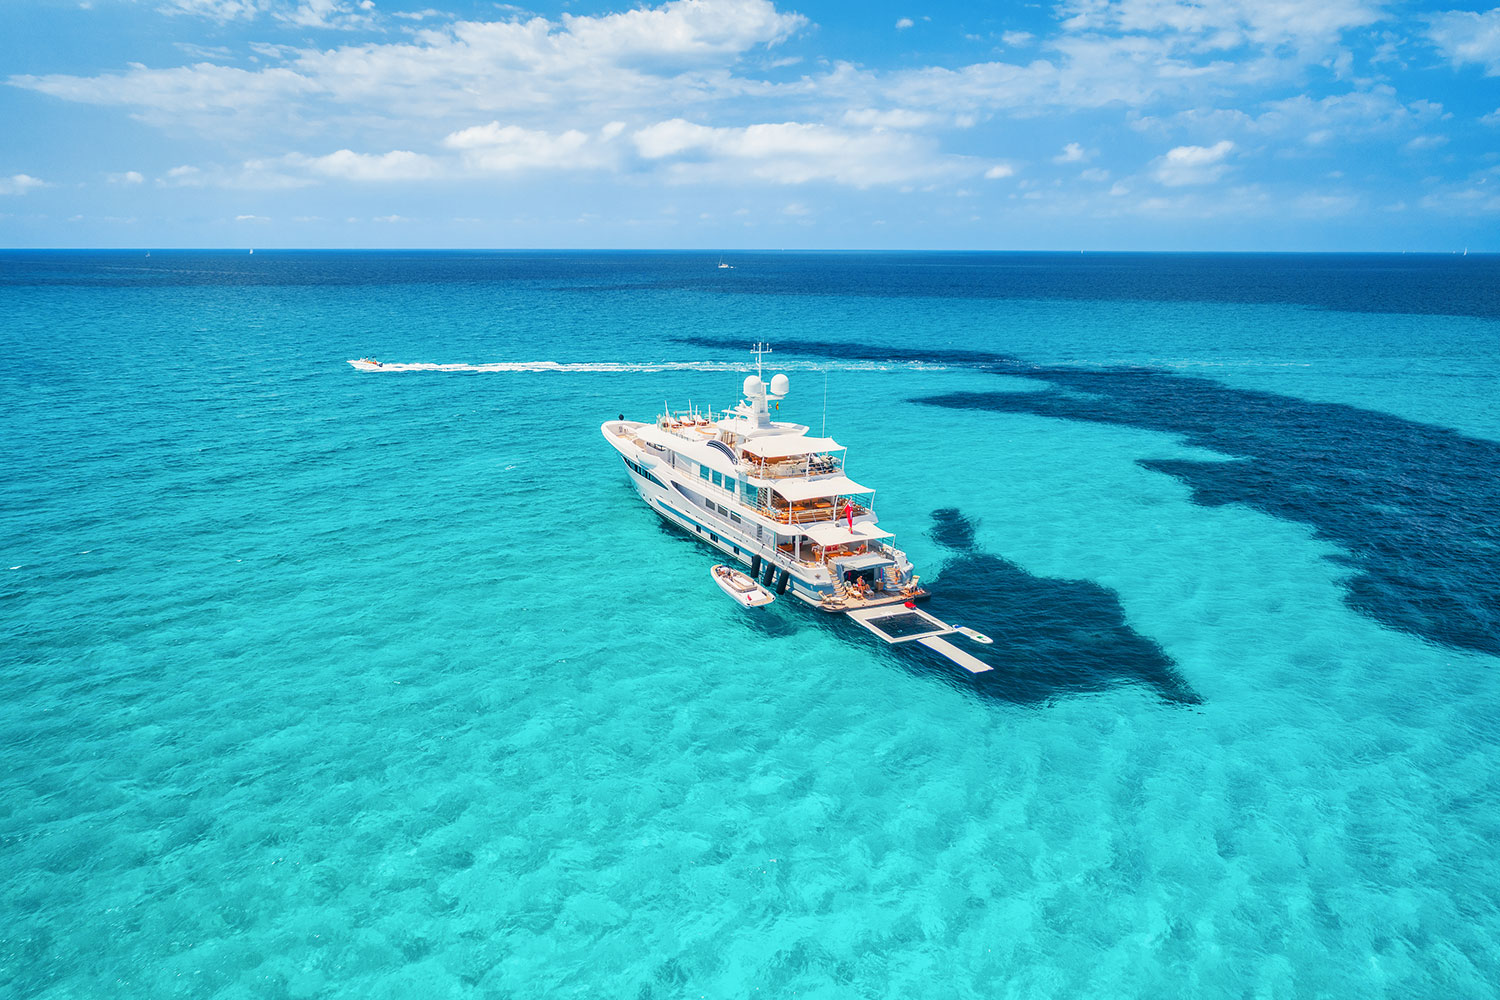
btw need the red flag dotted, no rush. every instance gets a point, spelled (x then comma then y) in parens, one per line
(849, 513)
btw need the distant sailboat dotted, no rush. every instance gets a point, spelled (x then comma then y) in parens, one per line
(252, 251)
(725, 267)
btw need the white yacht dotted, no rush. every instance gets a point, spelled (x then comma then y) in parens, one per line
(771, 497)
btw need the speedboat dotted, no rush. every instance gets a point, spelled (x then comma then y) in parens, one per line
(770, 496)
(366, 364)
(741, 588)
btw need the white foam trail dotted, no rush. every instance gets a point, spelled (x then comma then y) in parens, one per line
(654, 366)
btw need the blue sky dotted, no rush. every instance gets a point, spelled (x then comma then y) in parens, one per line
(1084, 124)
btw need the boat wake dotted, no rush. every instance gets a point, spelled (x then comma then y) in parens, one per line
(643, 366)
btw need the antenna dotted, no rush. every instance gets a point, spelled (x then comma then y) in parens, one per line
(760, 351)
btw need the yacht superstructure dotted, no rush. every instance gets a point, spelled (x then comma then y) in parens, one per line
(770, 496)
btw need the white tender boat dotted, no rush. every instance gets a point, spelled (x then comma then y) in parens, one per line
(367, 364)
(769, 495)
(741, 588)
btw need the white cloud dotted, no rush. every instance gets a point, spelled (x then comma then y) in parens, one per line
(1421, 142)
(1226, 24)
(1305, 119)
(256, 175)
(1083, 72)
(397, 165)
(326, 14)
(1073, 153)
(686, 91)
(898, 118)
(496, 148)
(1360, 112)
(793, 153)
(689, 30)
(1187, 165)
(650, 62)
(1465, 200)
(302, 13)
(1493, 118)
(204, 94)
(251, 218)
(218, 10)
(636, 60)
(19, 184)
(552, 82)
(1466, 37)
(128, 177)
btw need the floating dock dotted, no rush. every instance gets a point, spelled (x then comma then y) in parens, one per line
(898, 623)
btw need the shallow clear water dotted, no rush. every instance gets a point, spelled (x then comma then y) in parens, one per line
(326, 683)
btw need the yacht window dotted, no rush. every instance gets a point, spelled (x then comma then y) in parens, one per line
(718, 479)
(734, 517)
(729, 484)
(703, 471)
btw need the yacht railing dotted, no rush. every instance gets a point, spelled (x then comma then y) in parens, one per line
(808, 515)
(799, 468)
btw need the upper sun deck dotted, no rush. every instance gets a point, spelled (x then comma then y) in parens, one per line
(773, 451)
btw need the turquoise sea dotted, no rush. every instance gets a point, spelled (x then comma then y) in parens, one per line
(321, 683)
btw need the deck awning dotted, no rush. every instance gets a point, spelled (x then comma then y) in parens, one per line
(826, 533)
(809, 489)
(868, 530)
(789, 446)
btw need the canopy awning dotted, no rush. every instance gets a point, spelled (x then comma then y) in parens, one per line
(789, 445)
(869, 530)
(826, 533)
(807, 489)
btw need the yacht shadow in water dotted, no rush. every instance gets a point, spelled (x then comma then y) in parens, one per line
(1415, 507)
(1053, 638)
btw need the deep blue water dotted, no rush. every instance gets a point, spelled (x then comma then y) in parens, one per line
(325, 683)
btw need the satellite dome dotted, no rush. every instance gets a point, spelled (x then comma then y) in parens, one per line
(754, 386)
(779, 385)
